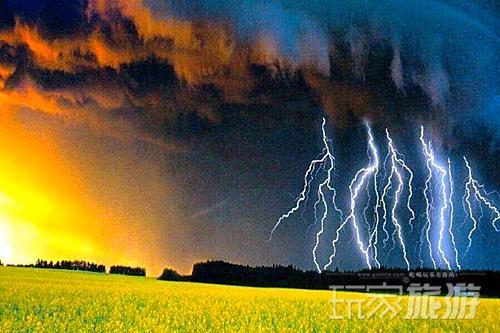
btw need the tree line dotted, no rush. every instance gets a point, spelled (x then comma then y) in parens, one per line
(125, 270)
(82, 265)
(220, 272)
(75, 265)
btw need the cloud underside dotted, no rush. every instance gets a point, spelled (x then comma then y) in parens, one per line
(140, 70)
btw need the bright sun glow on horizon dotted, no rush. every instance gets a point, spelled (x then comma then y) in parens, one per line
(5, 246)
(22, 240)
(46, 211)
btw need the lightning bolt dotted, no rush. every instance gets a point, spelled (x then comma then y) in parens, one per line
(321, 194)
(405, 167)
(394, 170)
(385, 192)
(367, 206)
(354, 188)
(315, 215)
(315, 206)
(450, 203)
(374, 235)
(303, 195)
(421, 241)
(372, 230)
(431, 163)
(331, 157)
(473, 184)
(313, 176)
(426, 194)
(325, 161)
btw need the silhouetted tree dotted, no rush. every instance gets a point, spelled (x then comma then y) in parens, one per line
(169, 274)
(125, 270)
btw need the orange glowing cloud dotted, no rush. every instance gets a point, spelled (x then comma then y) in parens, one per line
(87, 105)
(27, 95)
(199, 52)
(59, 54)
(6, 70)
(148, 26)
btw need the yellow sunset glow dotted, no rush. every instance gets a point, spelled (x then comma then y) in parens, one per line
(36, 213)
(47, 212)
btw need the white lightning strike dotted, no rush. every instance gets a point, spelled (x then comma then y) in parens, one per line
(374, 235)
(326, 140)
(426, 196)
(431, 161)
(372, 232)
(321, 195)
(385, 192)
(450, 202)
(303, 194)
(315, 215)
(405, 167)
(466, 198)
(354, 188)
(421, 241)
(367, 206)
(313, 176)
(325, 161)
(394, 170)
(474, 185)
(315, 206)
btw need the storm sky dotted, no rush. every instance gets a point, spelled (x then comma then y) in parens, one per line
(160, 133)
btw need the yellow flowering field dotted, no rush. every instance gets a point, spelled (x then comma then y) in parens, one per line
(35, 300)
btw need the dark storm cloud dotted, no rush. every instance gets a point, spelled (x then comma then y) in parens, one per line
(359, 57)
(436, 35)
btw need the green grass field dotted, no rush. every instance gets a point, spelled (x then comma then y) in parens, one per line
(34, 300)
